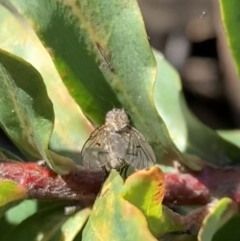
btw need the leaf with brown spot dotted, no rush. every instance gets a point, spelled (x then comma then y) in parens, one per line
(145, 189)
(114, 218)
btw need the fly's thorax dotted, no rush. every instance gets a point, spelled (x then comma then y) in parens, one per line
(116, 120)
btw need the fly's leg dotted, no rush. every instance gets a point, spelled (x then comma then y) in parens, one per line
(103, 157)
(123, 171)
(106, 173)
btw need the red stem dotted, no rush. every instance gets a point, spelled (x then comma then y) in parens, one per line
(83, 185)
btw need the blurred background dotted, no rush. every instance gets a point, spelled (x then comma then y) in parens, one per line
(191, 36)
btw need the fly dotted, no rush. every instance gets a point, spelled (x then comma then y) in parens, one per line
(104, 56)
(116, 145)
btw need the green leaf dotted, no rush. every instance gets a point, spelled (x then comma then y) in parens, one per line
(221, 213)
(187, 132)
(73, 50)
(8, 149)
(74, 224)
(23, 210)
(71, 128)
(50, 224)
(26, 111)
(230, 230)
(11, 191)
(5, 154)
(114, 218)
(5, 227)
(230, 16)
(15, 215)
(232, 136)
(151, 183)
(101, 65)
(10, 194)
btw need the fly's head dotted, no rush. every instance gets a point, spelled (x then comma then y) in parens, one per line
(116, 120)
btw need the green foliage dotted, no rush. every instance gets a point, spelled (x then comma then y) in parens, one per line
(151, 184)
(10, 192)
(223, 211)
(229, 230)
(23, 117)
(50, 224)
(86, 73)
(113, 217)
(86, 58)
(187, 132)
(230, 16)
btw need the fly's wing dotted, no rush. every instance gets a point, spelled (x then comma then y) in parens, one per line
(95, 151)
(139, 154)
